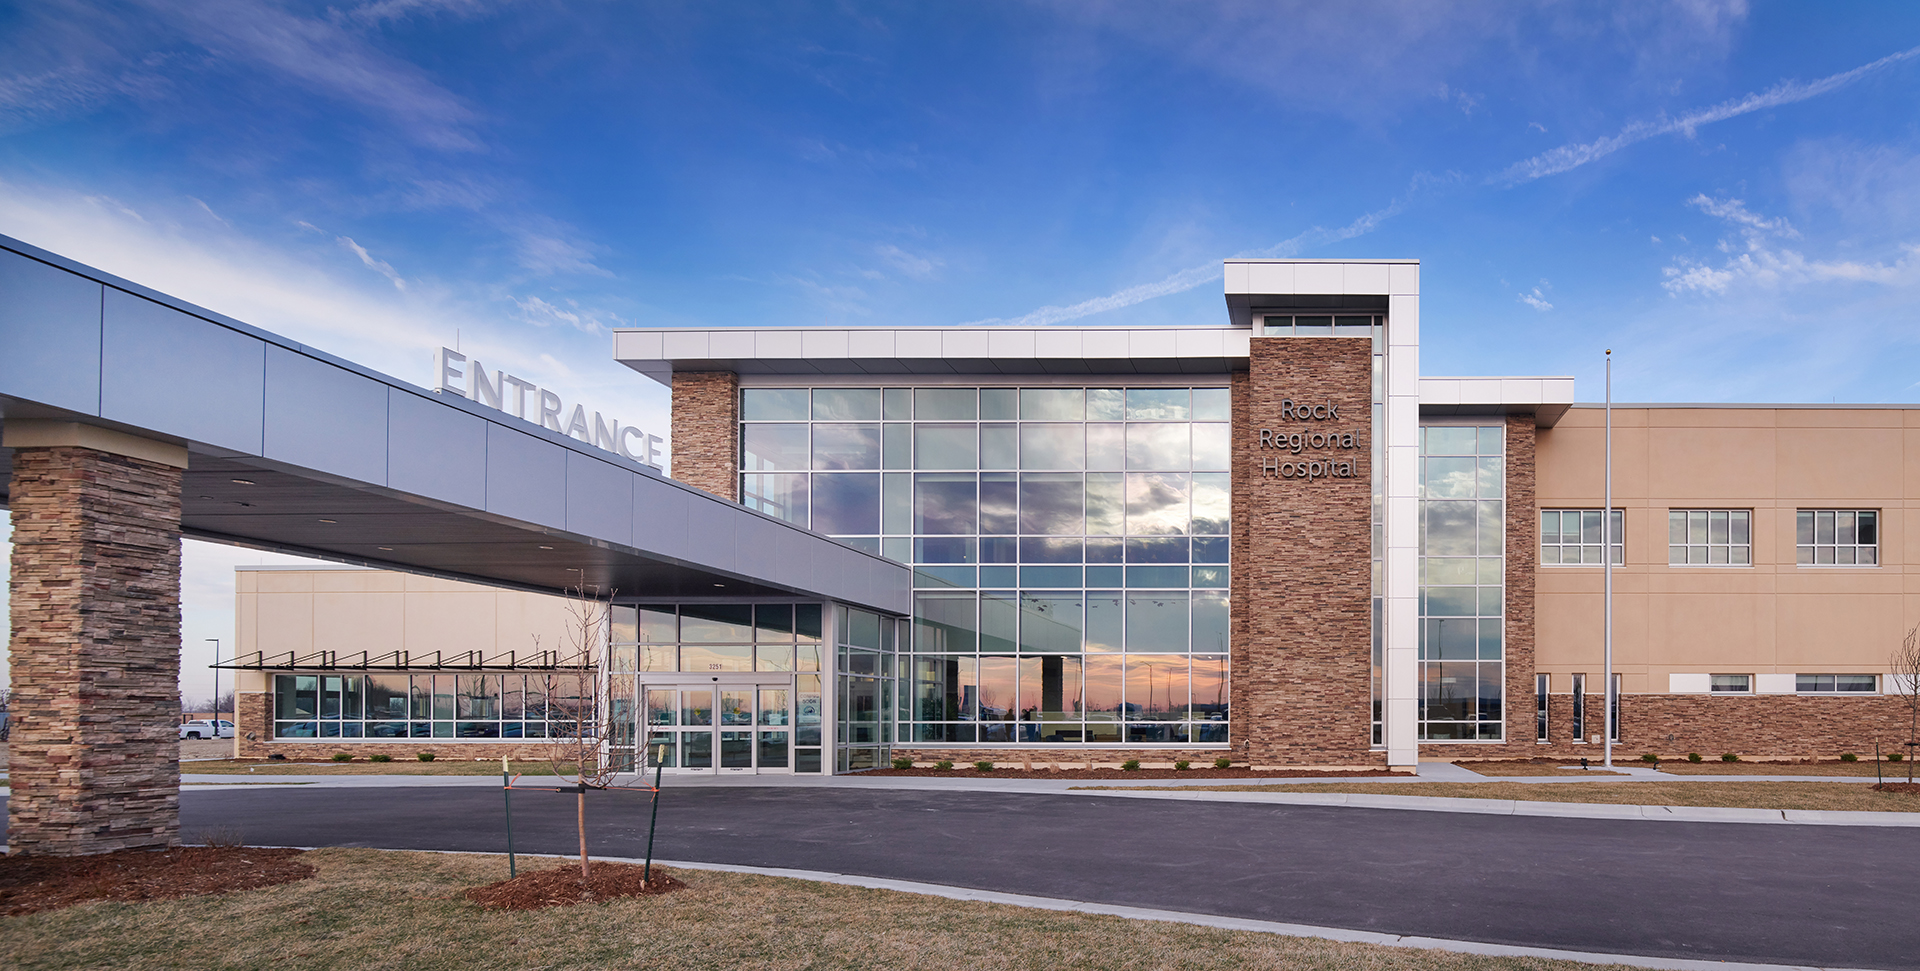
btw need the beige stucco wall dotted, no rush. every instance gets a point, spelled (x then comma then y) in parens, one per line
(379, 611)
(1773, 617)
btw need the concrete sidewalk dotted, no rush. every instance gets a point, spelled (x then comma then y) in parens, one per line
(1172, 789)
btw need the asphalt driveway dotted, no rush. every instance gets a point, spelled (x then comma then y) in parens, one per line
(1776, 894)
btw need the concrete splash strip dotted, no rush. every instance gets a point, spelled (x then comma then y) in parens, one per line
(1510, 807)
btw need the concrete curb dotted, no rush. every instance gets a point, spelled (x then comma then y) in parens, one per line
(1509, 807)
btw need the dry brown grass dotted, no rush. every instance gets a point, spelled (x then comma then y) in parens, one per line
(1716, 767)
(374, 910)
(1843, 796)
(1530, 769)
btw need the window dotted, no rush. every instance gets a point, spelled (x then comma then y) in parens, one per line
(1540, 685)
(1462, 582)
(1732, 683)
(1319, 326)
(1837, 537)
(1579, 707)
(1069, 546)
(1710, 537)
(439, 706)
(1571, 537)
(1837, 683)
(1614, 704)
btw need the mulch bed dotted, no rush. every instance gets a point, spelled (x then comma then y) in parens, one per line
(29, 884)
(1076, 774)
(562, 886)
(1910, 788)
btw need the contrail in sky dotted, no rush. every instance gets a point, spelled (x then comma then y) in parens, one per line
(1785, 93)
(1554, 162)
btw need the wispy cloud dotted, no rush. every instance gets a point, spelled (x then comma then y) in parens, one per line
(908, 264)
(1193, 276)
(1760, 263)
(1735, 211)
(1568, 157)
(381, 267)
(332, 61)
(1536, 299)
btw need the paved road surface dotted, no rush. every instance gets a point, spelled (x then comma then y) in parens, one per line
(1779, 894)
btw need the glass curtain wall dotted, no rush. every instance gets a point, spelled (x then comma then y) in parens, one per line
(868, 649)
(1069, 547)
(1462, 582)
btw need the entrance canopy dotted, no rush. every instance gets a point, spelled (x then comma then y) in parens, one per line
(292, 449)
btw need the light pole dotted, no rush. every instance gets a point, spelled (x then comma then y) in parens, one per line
(1606, 557)
(216, 686)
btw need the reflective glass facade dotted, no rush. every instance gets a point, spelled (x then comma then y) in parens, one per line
(1069, 545)
(449, 706)
(1462, 582)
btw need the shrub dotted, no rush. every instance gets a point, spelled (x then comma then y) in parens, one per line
(1729, 757)
(1895, 756)
(1223, 762)
(342, 757)
(1693, 756)
(902, 762)
(379, 758)
(1130, 765)
(1849, 757)
(944, 765)
(1182, 765)
(1650, 757)
(425, 756)
(983, 766)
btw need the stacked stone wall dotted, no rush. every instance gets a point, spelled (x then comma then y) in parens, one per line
(706, 431)
(95, 653)
(1302, 572)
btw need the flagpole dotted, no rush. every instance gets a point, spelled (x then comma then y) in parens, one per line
(1606, 557)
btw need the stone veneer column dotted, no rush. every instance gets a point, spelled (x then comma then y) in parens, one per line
(1522, 559)
(95, 647)
(1302, 575)
(706, 431)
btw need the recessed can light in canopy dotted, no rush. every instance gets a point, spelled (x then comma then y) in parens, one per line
(243, 482)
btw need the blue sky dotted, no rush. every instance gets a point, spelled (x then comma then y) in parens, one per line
(1727, 194)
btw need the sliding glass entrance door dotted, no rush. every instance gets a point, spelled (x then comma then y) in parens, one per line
(722, 728)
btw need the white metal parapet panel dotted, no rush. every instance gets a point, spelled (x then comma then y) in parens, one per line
(1402, 582)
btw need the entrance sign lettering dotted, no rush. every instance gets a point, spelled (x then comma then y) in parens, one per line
(513, 395)
(1309, 468)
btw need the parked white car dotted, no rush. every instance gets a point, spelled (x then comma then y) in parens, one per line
(207, 728)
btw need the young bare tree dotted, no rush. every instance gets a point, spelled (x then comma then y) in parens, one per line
(1904, 665)
(581, 721)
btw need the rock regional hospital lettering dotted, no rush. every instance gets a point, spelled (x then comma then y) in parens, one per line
(1307, 441)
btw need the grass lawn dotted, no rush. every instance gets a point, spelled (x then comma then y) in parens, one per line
(369, 909)
(1850, 796)
(1530, 768)
(1894, 771)
(362, 767)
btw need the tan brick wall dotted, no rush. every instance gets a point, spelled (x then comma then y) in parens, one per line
(1751, 726)
(706, 431)
(1302, 574)
(95, 653)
